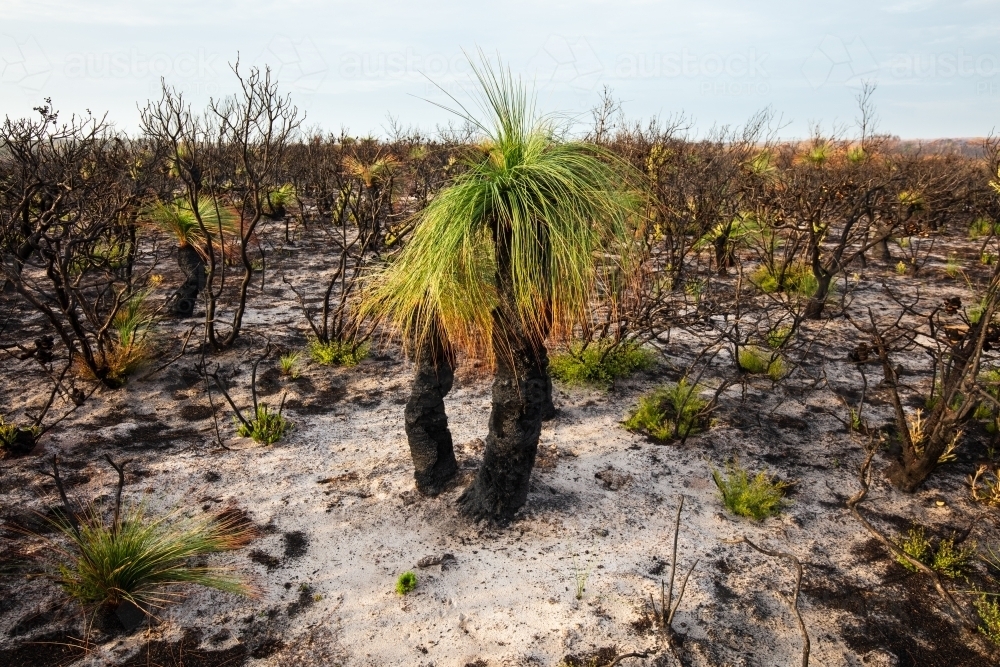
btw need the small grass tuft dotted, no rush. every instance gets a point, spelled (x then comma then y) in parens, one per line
(600, 365)
(406, 583)
(757, 361)
(265, 427)
(756, 497)
(670, 412)
(140, 558)
(289, 364)
(336, 353)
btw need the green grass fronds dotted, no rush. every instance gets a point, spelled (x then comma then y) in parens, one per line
(670, 412)
(600, 365)
(289, 364)
(756, 497)
(265, 427)
(406, 583)
(336, 353)
(141, 558)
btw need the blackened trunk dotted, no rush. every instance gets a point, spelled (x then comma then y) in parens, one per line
(817, 302)
(427, 431)
(521, 390)
(192, 265)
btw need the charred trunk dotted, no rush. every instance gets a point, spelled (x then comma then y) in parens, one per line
(521, 392)
(817, 302)
(192, 265)
(427, 431)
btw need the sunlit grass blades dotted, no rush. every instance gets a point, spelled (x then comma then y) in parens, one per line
(103, 558)
(178, 219)
(562, 212)
(140, 558)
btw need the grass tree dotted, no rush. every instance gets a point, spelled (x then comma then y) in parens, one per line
(179, 220)
(514, 252)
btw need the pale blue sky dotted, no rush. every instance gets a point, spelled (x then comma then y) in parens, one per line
(350, 64)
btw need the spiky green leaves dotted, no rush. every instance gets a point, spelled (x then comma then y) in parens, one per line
(558, 214)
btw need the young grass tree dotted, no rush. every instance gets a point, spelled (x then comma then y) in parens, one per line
(511, 253)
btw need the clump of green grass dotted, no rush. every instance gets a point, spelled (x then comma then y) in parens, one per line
(947, 559)
(289, 364)
(265, 427)
(757, 361)
(406, 583)
(140, 559)
(674, 411)
(756, 497)
(988, 609)
(792, 279)
(600, 365)
(337, 353)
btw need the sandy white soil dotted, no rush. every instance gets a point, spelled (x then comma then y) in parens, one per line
(340, 520)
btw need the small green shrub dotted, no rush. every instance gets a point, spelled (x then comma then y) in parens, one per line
(289, 364)
(674, 411)
(794, 279)
(600, 365)
(336, 353)
(265, 427)
(406, 583)
(140, 558)
(778, 336)
(756, 497)
(757, 361)
(952, 561)
(989, 616)
(901, 268)
(952, 266)
(916, 546)
(947, 559)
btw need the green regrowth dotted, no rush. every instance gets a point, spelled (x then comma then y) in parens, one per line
(556, 217)
(140, 558)
(756, 497)
(988, 609)
(265, 427)
(289, 364)
(675, 411)
(791, 279)
(757, 361)
(600, 365)
(337, 353)
(406, 583)
(178, 219)
(947, 559)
